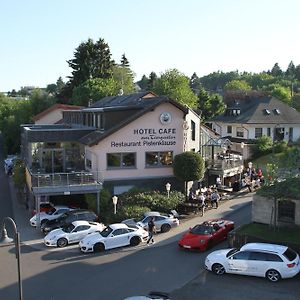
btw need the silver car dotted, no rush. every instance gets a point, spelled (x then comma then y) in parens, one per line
(163, 223)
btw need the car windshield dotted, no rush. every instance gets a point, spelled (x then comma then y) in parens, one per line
(232, 251)
(106, 231)
(51, 211)
(68, 228)
(63, 216)
(201, 229)
(290, 254)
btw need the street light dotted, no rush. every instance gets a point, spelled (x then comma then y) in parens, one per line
(168, 188)
(7, 240)
(115, 201)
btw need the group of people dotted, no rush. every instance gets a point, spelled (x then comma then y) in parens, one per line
(204, 197)
(252, 179)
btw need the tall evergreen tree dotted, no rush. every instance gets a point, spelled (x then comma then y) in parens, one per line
(290, 71)
(276, 70)
(152, 80)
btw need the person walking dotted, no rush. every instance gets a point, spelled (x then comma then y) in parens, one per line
(151, 231)
(201, 203)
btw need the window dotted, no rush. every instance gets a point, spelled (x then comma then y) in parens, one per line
(88, 163)
(257, 256)
(229, 129)
(268, 131)
(121, 160)
(239, 132)
(286, 211)
(241, 255)
(159, 159)
(193, 129)
(258, 133)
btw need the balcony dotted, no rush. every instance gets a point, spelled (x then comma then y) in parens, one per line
(226, 167)
(65, 183)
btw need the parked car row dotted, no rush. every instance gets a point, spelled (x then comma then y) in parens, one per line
(271, 261)
(63, 225)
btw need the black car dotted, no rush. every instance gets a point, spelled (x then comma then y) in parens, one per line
(69, 217)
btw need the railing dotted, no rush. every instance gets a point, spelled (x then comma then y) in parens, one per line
(65, 179)
(224, 164)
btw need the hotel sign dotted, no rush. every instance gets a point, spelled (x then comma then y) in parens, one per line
(146, 137)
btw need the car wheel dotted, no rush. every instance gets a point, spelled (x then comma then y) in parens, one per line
(273, 275)
(165, 227)
(99, 247)
(62, 242)
(218, 269)
(134, 241)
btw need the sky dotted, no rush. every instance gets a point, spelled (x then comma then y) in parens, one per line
(202, 36)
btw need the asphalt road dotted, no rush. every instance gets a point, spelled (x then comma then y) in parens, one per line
(68, 274)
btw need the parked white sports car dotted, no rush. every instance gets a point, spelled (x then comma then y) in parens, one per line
(52, 214)
(113, 236)
(72, 233)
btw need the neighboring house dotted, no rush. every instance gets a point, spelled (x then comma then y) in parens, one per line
(118, 143)
(54, 114)
(248, 118)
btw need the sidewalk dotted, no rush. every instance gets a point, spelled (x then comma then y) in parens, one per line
(31, 236)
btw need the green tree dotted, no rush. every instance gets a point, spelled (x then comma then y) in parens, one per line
(40, 101)
(276, 70)
(175, 85)
(195, 83)
(188, 166)
(91, 60)
(124, 76)
(94, 89)
(240, 85)
(152, 80)
(144, 82)
(290, 71)
(282, 93)
(210, 105)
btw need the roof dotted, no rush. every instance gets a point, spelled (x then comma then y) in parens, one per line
(260, 110)
(143, 106)
(118, 226)
(53, 108)
(265, 247)
(123, 100)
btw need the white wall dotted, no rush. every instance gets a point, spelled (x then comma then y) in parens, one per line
(140, 133)
(50, 118)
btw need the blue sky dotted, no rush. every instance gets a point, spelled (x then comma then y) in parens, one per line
(202, 36)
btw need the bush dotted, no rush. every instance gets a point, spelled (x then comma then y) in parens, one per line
(154, 200)
(131, 211)
(280, 146)
(264, 146)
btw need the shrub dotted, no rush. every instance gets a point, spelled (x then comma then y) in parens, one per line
(280, 146)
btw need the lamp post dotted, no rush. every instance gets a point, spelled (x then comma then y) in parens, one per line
(168, 188)
(115, 201)
(7, 240)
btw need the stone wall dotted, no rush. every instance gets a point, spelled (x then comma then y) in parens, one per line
(262, 211)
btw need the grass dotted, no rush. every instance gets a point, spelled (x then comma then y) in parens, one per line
(283, 235)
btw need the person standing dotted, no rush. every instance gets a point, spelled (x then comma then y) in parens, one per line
(151, 231)
(215, 197)
(201, 199)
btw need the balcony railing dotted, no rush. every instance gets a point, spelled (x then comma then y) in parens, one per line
(65, 179)
(224, 164)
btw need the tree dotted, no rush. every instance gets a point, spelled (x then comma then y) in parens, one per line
(40, 101)
(195, 83)
(290, 71)
(210, 105)
(91, 60)
(144, 82)
(240, 85)
(188, 166)
(175, 85)
(152, 81)
(60, 84)
(282, 93)
(276, 70)
(94, 89)
(123, 75)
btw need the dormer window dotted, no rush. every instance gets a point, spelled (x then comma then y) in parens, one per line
(276, 111)
(266, 111)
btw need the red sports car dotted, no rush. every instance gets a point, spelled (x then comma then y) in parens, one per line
(204, 236)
